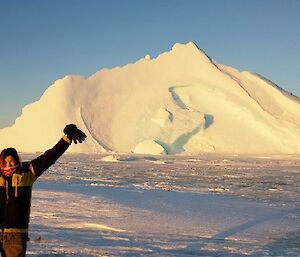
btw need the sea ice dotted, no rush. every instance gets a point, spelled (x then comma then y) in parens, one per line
(84, 206)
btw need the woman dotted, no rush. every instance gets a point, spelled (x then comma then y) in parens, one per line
(16, 181)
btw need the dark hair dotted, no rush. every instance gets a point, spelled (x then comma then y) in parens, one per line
(9, 152)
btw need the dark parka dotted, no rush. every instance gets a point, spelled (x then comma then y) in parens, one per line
(15, 191)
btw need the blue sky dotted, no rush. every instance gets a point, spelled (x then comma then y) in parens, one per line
(44, 40)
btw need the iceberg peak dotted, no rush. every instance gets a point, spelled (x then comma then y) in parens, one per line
(191, 49)
(190, 45)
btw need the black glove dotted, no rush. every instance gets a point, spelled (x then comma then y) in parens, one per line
(74, 134)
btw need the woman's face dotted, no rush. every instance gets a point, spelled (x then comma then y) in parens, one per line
(9, 162)
(9, 166)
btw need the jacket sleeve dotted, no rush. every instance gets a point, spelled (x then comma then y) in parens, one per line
(44, 161)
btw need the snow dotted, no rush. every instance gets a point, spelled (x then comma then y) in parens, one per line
(149, 147)
(84, 206)
(110, 158)
(182, 100)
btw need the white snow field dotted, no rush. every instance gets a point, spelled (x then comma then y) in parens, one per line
(139, 205)
(182, 101)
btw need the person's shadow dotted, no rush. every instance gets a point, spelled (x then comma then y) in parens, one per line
(252, 223)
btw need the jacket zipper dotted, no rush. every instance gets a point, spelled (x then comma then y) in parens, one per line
(6, 187)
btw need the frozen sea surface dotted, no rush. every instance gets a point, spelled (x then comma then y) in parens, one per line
(167, 206)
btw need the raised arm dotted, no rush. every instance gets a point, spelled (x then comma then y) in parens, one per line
(44, 161)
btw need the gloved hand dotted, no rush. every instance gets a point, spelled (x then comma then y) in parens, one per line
(74, 134)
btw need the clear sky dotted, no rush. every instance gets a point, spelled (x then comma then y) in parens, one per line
(44, 40)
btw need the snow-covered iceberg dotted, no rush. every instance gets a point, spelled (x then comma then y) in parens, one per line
(182, 101)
